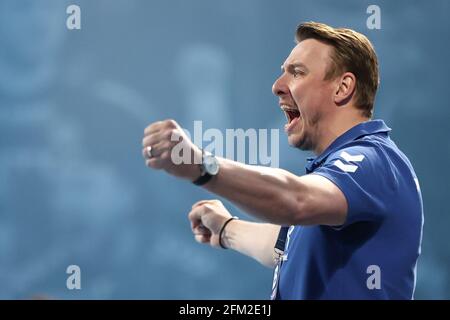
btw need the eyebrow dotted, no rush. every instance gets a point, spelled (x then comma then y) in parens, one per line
(292, 66)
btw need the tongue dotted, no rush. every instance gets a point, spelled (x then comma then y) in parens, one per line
(289, 126)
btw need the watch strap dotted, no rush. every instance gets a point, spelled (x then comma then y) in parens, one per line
(202, 179)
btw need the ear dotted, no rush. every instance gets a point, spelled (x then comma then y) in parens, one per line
(346, 86)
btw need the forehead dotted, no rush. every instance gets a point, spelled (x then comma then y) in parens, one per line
(315, 55)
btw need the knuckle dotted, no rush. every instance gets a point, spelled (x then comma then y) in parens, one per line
(171, 123)
(197, 204)
(173, 134)
(208, 207)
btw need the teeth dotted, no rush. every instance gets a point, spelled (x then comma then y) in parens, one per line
(288, 108)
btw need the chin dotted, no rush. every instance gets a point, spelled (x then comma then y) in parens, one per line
(298, 142)
(295, 141)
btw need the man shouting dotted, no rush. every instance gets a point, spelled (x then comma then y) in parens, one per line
(351, 227)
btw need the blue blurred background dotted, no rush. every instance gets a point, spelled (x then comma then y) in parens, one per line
(73, 105)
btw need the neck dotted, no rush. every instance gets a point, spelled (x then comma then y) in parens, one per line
(335, 126)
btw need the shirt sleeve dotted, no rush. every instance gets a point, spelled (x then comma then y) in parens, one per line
(363, 176)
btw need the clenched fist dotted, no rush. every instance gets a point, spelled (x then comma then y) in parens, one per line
(207, 218)
(166, 146)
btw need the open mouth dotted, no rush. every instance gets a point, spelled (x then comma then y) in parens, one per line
(290, 113)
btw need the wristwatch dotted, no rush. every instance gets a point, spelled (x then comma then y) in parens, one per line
(209, 168)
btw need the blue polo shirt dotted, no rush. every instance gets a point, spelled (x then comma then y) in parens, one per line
(373, 255)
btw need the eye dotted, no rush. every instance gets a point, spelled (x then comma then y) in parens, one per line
(297, 73)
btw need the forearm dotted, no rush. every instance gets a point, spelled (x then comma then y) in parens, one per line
(256, 240)
(261, 191)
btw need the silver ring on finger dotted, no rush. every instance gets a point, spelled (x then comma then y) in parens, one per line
(149, 152)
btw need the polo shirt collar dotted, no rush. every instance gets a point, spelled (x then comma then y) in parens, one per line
(362, 129)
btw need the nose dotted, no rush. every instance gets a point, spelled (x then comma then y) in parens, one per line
(279, 87)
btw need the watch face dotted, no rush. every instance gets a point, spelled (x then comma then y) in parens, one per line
(211, 165)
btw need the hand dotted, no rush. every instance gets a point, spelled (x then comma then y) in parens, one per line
(207, 218)
(163, 137)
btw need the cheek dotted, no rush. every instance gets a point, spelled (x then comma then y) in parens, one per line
(306, 91)
(299, 93)
(317, 99)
